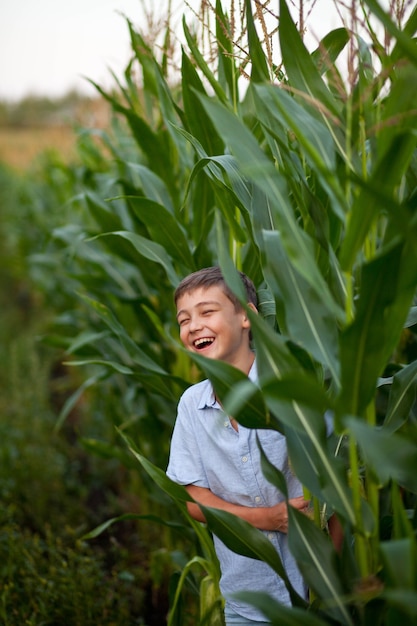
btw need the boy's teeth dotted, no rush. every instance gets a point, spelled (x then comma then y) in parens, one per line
(199, 343)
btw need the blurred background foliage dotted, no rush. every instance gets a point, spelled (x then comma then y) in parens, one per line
(194, 168)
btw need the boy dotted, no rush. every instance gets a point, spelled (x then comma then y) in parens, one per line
(217, 459)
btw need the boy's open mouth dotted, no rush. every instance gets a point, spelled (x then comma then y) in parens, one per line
(204, 342)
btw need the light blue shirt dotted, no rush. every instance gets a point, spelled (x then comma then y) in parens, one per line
(207, 451)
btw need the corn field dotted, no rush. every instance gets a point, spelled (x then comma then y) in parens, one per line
(250, 150)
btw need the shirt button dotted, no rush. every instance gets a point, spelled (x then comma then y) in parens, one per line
(257, 499)
(226, 423)
(244, 459)
(270, 536)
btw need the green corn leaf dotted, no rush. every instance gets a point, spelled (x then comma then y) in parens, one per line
(153, 185)
(400, 558)
(315, 557)
(279, 111)
(163, 228)
(104, 214)
(312, 134)
(238, 137)
(197, 121)
(402, 397)
(171, 114)
(71, 402)
(201, 63)
(390, 455)
(118, 367)
(279, 372)
(154, 519)
(323, 474)
(314, 464)
(243, 538)
(273, 356)
(227, 72)
(225, 378)
(85, 339)
(272, 473)
(278, 614)
(275, 363)
(231, 190)
(396, 147)
(402, 524)
(155, 85)
(223, 171)
(300, 68)
(329, 50)
(307, 320)
(259, 71)
(137, 355)
(107, 450)
(298, 388)
(150, 250)
(177, 492)
(208, 587)
(146, 59)
(382, 307)
(155, 148)
(405, 45)
(151, 143)
(257, 167)
(399, 117)
(227, 204)
(266, 305)
(403, 602)
(160, 386)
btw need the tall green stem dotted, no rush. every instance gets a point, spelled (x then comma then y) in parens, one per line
(373, 493)
(360, 541)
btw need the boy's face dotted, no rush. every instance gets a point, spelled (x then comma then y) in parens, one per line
(210, 325)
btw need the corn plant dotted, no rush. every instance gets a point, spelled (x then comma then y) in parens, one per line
(305, 179)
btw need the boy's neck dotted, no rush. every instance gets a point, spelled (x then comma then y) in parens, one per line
(246, 362)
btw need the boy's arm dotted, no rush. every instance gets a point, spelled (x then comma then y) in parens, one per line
(265, 518)
(336, 532)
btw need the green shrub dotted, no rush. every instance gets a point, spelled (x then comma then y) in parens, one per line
(51, 579)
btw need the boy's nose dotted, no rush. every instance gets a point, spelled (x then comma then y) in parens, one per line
(195, 324)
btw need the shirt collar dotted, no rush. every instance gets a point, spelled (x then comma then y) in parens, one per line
(208, 399)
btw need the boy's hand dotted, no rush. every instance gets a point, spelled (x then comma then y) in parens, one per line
(279, 513)
(265, 518)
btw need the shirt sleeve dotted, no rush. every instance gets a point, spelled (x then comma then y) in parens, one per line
(185, 465)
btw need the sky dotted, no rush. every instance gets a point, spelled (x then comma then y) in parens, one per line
(48, 47)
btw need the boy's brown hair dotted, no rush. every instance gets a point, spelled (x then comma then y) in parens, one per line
(211, 276)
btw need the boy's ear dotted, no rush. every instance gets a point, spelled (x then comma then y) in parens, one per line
(253, 308)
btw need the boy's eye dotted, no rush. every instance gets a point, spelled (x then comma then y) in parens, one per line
(183, 321)
(207, 312)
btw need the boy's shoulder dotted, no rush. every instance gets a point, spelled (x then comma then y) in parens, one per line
(198, 393)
